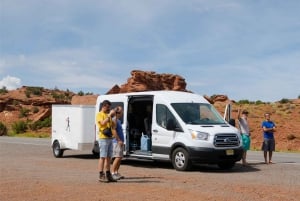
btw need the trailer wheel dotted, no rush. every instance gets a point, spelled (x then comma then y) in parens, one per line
(180, 159)
(57, 152)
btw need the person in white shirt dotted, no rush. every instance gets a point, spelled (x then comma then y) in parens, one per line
(245, 132)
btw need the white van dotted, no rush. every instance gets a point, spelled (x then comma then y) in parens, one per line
(184, 128)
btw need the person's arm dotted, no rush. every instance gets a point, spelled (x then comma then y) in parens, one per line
(239, 113)
(268, 129)
(103, 121)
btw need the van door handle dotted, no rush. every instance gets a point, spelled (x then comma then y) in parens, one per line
(155, 131)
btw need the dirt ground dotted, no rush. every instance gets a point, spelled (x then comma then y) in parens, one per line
(30, 172)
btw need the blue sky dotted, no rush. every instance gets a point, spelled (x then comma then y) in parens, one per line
(246, 49)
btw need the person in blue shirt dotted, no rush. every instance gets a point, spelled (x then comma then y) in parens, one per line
(269, 128)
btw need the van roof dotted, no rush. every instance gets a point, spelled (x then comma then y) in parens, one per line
(170, 96)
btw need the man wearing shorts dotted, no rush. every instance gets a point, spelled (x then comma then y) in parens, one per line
(245, 132)
(104, 121)
(269, 141)
(118, 143)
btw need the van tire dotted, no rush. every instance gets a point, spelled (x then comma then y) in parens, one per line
(181, 159)
(57, 152)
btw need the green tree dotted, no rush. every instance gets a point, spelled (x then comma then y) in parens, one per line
(3, 90)
(284, 100)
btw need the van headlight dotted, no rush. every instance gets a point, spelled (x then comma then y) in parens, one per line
(197, 135)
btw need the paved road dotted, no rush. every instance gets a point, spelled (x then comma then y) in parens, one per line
(28, 171)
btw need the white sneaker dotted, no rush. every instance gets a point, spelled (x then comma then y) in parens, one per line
(120, 176)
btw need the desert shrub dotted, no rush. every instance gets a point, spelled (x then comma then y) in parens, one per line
(80, 93)
(3, 129)
(57, 96)
(19, 127)
(243, 101)
(258, 102)
(299, 96)
(15, 103)
(291, 136)
(34, 90)
(27, 93)
(41, 124)
(24, 112)
(35, 110)
(284, 100)
(3, 90)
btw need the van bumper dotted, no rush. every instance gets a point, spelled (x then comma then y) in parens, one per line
(214, 156)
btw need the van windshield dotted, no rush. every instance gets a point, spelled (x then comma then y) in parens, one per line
(198, 113)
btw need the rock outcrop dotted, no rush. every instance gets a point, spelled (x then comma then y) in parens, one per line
(150, 81)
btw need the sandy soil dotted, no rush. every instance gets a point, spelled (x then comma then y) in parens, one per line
(30, 172)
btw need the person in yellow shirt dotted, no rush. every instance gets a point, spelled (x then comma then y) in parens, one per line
(106, 134)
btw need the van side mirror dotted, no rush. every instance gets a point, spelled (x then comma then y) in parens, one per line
(232, 122)
(170, 124)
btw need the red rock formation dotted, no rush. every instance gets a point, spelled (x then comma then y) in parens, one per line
(150, 81)
(84, 100)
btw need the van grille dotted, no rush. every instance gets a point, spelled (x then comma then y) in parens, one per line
(226, 140)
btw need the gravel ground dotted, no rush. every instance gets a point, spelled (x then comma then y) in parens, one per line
(30, 172)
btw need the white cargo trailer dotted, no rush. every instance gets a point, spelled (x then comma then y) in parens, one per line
(73, 127)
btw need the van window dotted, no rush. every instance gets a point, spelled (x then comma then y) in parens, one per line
(198, 113)
(166, 119)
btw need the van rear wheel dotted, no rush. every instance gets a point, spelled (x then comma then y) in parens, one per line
(57, 152)
(180, 159)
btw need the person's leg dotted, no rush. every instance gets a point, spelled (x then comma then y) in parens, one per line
(118, 154)
(116, 165)
(265, 156)
(270, 156)
(244, 157)
(272, 148)
(101, 163)
(107, 160)
(107, 164)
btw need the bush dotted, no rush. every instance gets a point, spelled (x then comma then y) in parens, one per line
(3, 90)
(24, 112)
(244, 102)
(3, 129)
(284, 100)
(19, 127)
(35, 110)
(80, 93)
(41, 124)
(291, 136)
(259, 102)
(34, 90)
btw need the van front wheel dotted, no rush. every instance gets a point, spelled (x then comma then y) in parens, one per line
(180, 159)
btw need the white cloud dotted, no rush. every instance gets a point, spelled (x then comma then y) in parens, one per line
(10, 82)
